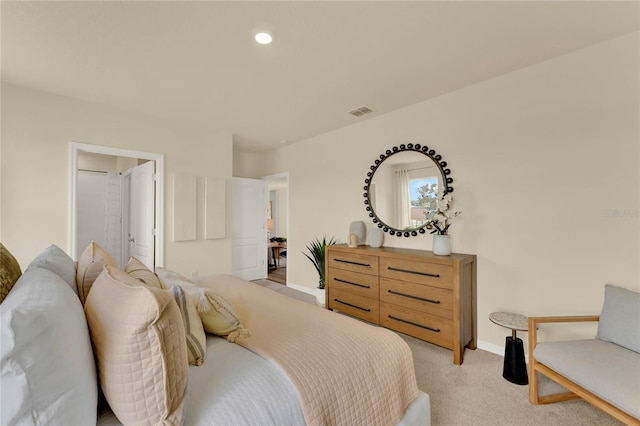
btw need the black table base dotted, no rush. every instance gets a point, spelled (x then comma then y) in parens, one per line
(515, 367)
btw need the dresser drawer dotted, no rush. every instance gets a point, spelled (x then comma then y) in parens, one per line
(354, 262)
(419, 297)
(358, 306)
(418, 324)
(433, 274)
(353, 282)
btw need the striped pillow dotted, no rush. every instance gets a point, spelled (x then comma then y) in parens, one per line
(196, 339)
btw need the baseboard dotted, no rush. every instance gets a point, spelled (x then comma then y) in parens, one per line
(490, 347)
(301, 288)
(316, 292)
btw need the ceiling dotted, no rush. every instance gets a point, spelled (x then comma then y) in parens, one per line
(197, 62)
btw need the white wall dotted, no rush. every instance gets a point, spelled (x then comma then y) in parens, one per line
(540, 158)
(36, 130)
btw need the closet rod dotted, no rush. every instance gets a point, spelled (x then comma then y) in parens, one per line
(95, 171)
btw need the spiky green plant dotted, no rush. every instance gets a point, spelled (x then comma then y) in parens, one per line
(316, 255)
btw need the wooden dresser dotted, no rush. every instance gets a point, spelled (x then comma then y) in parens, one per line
(414, 292)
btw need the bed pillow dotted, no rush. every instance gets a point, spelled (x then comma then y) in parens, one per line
(57, 261)
(139, 271)
(620, 317)
(90, 265)
(217, 315)
(139, 343)
(9, 271)
(47, 369)
(169, 278)
(194, 332)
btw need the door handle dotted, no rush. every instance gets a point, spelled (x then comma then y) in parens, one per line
(132, 240)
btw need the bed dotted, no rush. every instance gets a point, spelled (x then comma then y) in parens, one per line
(292, 370)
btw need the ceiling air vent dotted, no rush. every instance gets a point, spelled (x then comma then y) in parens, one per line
(359, 112)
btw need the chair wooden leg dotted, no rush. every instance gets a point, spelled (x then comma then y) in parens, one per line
(533, 382)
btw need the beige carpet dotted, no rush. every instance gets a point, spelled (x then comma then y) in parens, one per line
(475, 393)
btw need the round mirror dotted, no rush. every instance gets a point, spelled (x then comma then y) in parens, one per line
(402, 187)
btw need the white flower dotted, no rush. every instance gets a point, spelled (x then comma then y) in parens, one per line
(442, 215)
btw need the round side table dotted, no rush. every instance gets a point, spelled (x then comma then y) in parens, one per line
(515, 367)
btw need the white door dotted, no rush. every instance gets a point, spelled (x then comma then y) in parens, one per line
(249, 228)
(142, 213)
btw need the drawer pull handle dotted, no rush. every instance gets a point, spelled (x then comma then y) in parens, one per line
(437, 330)
(437, 302)
(353, 306)
(349, 282)
(353, 263)
(413, 272)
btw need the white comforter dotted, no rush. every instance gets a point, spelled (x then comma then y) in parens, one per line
(234, 386)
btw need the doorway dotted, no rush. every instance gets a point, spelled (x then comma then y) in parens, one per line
(116, 200)
(277, 226)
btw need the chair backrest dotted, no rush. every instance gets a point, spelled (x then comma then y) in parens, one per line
(620, 318)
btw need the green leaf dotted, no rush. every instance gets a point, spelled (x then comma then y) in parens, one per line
(316, 249)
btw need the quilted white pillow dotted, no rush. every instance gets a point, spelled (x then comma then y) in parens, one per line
(90, 264)
(47, 373)
(139, 343)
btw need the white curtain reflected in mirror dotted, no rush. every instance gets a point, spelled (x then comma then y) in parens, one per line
(403, 203)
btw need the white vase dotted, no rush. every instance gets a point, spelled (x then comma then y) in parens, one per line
(359, 229)
(441, 245)
(375, 237)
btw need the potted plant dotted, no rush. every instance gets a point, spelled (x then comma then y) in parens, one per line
(441, 221)
(316, 251)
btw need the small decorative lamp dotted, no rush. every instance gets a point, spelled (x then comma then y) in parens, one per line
(269, 226)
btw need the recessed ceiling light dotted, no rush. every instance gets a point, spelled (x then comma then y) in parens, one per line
(264, 38)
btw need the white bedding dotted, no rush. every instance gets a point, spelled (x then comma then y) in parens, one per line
(234, 386)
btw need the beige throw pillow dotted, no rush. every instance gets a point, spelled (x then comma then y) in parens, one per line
(90, 265)
(9, 271)
(139, 271)
(139, 344)
(217, 315)
(195, 337)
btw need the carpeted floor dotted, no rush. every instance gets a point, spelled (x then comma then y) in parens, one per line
(475, 393)
(305, 297)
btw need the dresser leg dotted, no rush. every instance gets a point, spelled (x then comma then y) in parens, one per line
(458, 355)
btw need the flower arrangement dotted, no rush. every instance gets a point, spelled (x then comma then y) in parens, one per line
(441, 219)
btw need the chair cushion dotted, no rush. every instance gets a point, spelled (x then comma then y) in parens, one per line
(48, 373)
(620, 318)
(139, 271)
(139, 343)
(9, 271)
(603, 368)
(57, 261)
(90, 265)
